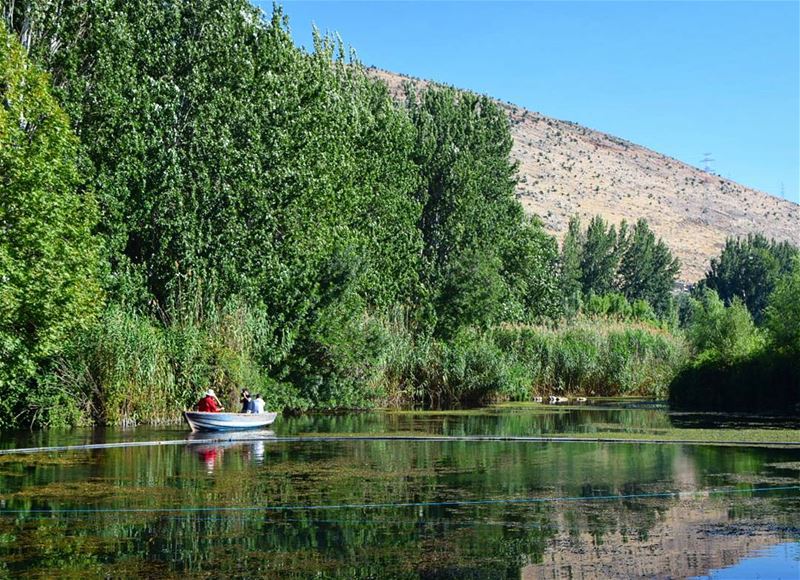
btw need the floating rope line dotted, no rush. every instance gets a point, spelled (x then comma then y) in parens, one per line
(410, 438)
(400, 505)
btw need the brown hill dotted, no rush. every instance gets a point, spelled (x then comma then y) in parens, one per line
(566, 169)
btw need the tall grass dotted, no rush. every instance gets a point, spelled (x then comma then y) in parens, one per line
(583, 357)
(596, 357)
(133, 368)
(136, 368)
(469, 370)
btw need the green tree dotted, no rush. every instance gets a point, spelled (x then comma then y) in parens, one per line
(473, 292)
(720, 333)
(571, 249)
(599, 258)
(647, 268)
(230, 163)
(749, 268)
(783, 311)
(49, 260)
(529, 264)
(469, 211)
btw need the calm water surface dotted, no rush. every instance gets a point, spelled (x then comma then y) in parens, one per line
(385, 509)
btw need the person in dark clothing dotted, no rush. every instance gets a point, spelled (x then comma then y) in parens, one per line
(246, 401)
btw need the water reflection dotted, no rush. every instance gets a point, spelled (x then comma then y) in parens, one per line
(231, 436)
(238, 504)
(778, 561)
(522, 420)
(210, 447)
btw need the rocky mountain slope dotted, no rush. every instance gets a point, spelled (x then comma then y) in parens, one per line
(566, 169)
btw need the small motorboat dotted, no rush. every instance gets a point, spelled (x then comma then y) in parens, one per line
(202, 421)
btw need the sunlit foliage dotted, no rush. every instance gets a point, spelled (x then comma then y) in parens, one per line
(49, 259)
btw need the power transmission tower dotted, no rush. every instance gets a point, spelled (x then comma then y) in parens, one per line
(706, 161)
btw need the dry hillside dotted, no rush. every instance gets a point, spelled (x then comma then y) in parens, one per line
(567, 169)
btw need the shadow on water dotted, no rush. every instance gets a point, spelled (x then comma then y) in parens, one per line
(686, 420)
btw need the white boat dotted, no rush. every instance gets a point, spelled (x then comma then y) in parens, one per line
(202, 421)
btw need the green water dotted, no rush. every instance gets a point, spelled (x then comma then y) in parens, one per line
(399, 508)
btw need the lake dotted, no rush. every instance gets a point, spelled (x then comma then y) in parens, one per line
(259, 506)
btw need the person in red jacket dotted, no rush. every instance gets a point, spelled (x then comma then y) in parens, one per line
(210, 403)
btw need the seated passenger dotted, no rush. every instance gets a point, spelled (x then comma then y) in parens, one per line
(210, 403)
(246, 401)
(258, 404)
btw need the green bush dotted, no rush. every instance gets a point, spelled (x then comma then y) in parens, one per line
(610, 305)
(767, 381)
(739, 367)
(616, 306)
(724, 334)
(338, 363)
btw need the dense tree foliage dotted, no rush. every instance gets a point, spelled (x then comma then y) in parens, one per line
(749, 268)
(783, 312)
(229, 163)
(647, 269)
(237, 173)
(732, 355)
(721, 333)
(571, 286)
(482, 261)
(599, 257)
(631, 262)
(272, 217)
(49, 261)
(224, 157)
(530, 268)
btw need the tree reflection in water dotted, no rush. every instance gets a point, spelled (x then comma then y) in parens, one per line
(254, 480)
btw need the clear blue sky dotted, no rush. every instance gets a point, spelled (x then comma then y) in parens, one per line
(683, 78)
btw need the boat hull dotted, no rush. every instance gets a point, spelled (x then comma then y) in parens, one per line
(201, 421)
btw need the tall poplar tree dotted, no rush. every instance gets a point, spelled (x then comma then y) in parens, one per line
(466, 192)
(571, 257)
(599, 258)
(647, 268)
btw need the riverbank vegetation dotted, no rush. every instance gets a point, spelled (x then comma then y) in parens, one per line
(739, 366)
(216, 207)
(586, 356)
